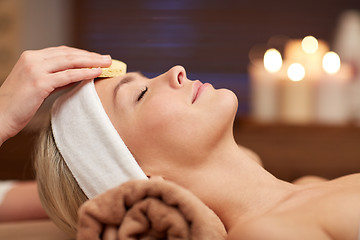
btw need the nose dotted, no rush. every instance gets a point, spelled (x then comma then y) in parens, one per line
(176, 76)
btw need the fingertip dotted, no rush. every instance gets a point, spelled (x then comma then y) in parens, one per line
(97, 70)
(107, 59)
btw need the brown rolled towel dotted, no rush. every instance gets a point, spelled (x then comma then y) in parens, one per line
(148, 209)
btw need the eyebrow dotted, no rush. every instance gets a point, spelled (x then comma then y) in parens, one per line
(127, 79)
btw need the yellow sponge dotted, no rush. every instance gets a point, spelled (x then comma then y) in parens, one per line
(117, 68)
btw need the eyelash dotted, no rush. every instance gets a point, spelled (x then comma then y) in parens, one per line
(142, 94)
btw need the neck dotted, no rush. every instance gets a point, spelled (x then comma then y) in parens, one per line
(239, 188)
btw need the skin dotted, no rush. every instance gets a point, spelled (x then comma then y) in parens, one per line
(167, 109)
(22, 203)
(34, 77)
(193, 145)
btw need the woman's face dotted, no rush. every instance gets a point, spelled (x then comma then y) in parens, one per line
(168, 121)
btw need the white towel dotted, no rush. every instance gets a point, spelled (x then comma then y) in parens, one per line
(92, 148)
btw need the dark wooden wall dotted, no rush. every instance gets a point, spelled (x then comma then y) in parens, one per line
(203, 35)
(211, 39)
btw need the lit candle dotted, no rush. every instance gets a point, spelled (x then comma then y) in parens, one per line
(264, 86)
(309, 53)
(310, 44)
(333, 91)
(297, 96)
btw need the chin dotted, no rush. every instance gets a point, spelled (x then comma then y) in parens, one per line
(228, 102)
(215, 121)
(223, 111)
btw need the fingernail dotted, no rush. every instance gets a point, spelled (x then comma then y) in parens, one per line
(106, 57)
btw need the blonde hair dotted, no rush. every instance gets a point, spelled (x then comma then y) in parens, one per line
(59, 192)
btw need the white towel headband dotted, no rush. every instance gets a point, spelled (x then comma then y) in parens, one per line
(89, 143)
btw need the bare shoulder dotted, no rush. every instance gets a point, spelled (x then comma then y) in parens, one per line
(274, 228)
(352, 179)
(309, 214)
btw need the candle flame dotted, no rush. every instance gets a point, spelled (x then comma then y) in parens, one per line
(296, 72)
(310, 44)
(272, 60)
(331, 62)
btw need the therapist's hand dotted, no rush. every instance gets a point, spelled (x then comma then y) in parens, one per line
(36, 75)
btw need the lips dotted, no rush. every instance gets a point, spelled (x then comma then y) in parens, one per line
(198, 88)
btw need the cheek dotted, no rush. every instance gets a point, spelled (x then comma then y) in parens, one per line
(158, 127)
(172, 128)
(166, 128)
(162, 117)
(170, 121)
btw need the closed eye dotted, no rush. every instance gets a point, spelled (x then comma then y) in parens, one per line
(142, 93)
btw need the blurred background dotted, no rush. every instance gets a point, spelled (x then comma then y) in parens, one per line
(224, 43)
